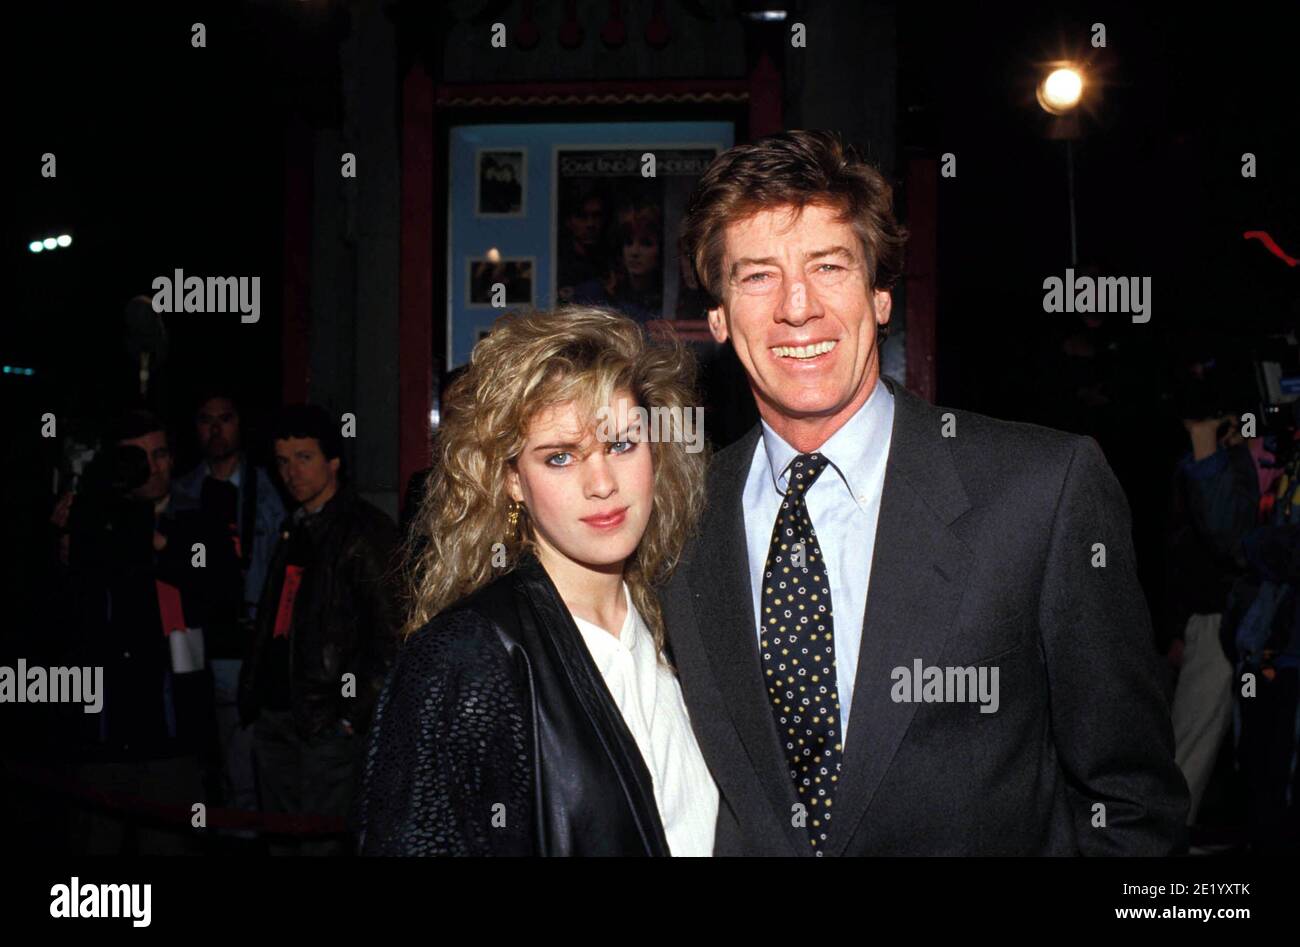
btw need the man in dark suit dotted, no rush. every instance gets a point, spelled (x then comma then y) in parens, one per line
(902, 629)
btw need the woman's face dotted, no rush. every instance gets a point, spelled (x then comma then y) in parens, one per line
(640, 253)
(589, 500)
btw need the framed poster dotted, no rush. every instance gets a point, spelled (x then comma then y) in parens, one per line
(500, 183)
(498, 282)
(571, 212)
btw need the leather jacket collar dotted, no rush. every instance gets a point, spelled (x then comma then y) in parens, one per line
(593, 793)
(315, 523)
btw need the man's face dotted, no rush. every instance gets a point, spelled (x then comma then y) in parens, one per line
(587, 222)
(307, 475)
(791, 283)
(217, 424)
(159, 484)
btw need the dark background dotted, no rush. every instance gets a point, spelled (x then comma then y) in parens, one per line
(171, 157)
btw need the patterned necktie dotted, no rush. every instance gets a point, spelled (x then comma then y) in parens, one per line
(799, 651)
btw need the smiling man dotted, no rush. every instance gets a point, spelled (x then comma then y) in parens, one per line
(858, 530)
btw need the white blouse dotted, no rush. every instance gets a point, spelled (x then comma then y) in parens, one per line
(646, 691)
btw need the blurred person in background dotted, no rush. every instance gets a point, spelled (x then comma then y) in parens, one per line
(1215, 504)
(1261, 632)
(326, 632)
(147, 569)
(243, 498)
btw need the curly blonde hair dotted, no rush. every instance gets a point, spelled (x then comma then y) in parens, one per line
(533, 360)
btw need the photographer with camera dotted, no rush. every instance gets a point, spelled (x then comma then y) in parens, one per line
(1215, 502)
(1234, 567)
(145, 570)
(1261, 632)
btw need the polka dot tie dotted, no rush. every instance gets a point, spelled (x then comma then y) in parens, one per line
(798, 649)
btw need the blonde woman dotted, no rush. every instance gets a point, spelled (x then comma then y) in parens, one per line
(531, 710)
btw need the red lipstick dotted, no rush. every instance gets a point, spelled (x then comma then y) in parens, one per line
(606, 520)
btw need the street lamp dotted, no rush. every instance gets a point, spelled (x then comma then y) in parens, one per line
(1059, 93)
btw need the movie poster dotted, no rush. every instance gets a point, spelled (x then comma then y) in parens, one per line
(616, 229)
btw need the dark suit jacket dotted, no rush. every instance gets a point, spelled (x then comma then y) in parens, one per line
(984, 556)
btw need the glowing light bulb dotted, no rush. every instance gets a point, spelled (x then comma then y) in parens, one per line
(1061, 90)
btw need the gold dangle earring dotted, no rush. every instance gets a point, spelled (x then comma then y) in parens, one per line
(513, 518)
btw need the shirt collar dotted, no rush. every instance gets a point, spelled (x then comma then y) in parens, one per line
(236, 478)
(849, 449)
(304, 515)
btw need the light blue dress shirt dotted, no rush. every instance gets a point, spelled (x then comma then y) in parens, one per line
(844, 504)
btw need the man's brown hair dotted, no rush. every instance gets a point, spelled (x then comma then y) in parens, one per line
(794, 168)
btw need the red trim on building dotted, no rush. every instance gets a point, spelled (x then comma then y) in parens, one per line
(415, 316)
(764, 99)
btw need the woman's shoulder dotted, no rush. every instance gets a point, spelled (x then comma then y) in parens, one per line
(454, 642)
(471, 634)
(456, 661)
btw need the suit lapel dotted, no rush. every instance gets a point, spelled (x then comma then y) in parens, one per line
(918, 574)
(724, 609)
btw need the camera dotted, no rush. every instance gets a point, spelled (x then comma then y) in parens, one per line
(106, 523)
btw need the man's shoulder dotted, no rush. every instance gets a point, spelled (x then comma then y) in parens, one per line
(268, 497)
(1001, 461)
(190, 483)
(183, 503)
(370, 520)
(972, 435)
(738, 453)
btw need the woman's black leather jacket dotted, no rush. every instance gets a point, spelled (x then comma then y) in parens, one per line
(495, 735)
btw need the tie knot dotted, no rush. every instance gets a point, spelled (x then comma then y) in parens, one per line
(806, 468)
